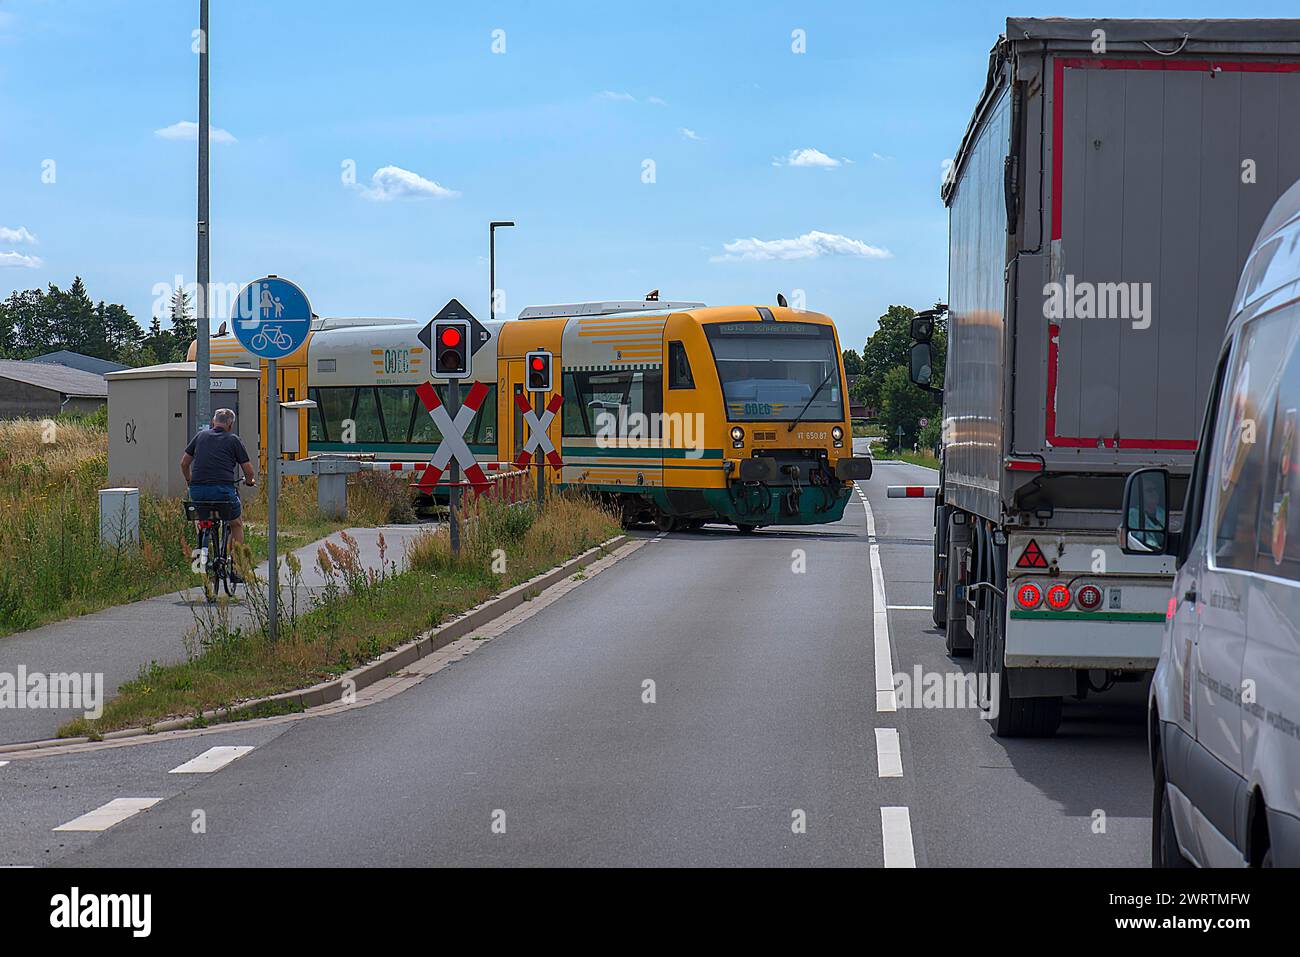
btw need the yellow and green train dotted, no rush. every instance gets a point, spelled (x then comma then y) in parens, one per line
(679, 413)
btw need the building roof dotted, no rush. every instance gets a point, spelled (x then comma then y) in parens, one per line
(75, 360)
(186, 369)
(56, 378)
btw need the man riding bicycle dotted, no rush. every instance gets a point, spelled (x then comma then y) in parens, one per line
(209, 465)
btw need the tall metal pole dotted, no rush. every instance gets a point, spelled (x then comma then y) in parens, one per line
(203, 354)
(541, 459)
(492, 265)
(272, 498)
(453, 406)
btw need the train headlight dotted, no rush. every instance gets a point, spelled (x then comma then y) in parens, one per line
(737, 436)
(837, 434)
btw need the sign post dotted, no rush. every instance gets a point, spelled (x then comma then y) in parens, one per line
(272, 318)
(453, 336)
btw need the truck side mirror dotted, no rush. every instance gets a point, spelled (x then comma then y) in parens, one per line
(919, 368)
(922, 328)
(1145, 530)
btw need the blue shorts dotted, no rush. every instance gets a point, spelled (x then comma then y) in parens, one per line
(218, 493)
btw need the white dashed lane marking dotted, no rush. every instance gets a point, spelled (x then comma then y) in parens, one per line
(896, 826)
(889, 753)
(114, 812)
(909, 608)
(213, 759)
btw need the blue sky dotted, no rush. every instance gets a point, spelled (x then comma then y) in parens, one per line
(830, 158)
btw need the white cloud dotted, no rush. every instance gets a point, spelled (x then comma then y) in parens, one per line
(393, 182)
(689, 134)
(19, 261)
(881, 156)
(618, 97)
(186, 130)
(809, 157)
(19, 235)
(656, 101)
(811, 245)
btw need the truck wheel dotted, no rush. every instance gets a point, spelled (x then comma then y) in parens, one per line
(1014, 717)
(957, 639)
(940, 568)
(1164, 841)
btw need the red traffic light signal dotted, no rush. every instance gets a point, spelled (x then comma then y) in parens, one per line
(451, 349)
(539, 371)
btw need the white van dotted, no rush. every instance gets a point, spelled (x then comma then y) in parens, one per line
(1224, 718)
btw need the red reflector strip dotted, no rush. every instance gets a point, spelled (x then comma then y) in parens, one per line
(1173, 607)
(1024, 465)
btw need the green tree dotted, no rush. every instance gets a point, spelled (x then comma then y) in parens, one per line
(184, 328)
(903, 405)
(886, 349)
(852, 362)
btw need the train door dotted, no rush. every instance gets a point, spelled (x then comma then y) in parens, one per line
(291, 379)
(518, 428)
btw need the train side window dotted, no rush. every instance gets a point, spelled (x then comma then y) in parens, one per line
(395, 403)
(315, 425)
(679, 367)
(335, 404)
(573, 414)
(365, 415)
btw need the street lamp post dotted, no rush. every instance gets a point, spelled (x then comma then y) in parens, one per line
(202, 352)
(492, 266)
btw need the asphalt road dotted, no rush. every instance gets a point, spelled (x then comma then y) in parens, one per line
(541, 748)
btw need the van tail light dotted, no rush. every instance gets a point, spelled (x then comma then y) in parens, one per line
(1029, 596)
(1058, 597)
(1088, 598)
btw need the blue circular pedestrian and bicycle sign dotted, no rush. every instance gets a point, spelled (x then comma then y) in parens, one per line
(271, 317)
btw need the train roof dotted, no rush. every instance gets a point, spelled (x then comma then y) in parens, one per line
(610, 307)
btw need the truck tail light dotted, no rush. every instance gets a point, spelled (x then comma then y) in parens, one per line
(1088, 598)
(1058, 597)
(1029, 596)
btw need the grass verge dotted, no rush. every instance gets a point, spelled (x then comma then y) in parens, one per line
(52, 565)
(361, 614)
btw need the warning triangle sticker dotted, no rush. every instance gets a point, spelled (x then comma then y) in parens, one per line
(1032, 556)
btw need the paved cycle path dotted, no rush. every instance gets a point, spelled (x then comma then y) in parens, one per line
(117, 642)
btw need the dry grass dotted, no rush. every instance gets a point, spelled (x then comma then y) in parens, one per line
(361, 615)
(52, 565)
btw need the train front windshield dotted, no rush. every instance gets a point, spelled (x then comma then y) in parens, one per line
(772, 370)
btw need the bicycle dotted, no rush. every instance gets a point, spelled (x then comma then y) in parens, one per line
(271, 335)
(214, 545)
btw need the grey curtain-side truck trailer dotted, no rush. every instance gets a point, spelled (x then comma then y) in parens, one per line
(1102, 203)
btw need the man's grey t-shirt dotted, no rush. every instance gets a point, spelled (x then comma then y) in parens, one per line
(217, 453)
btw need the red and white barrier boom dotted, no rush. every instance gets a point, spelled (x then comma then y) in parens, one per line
(912, 491)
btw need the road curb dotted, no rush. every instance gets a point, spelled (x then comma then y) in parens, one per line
(382, 667)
